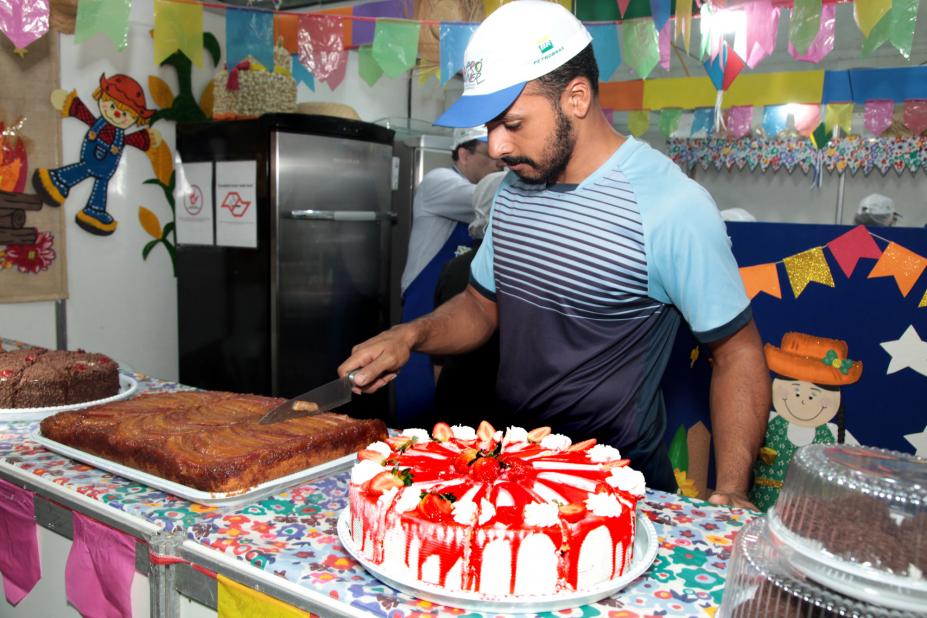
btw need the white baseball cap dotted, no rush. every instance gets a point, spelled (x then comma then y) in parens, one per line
(462, 136)
(518, 42)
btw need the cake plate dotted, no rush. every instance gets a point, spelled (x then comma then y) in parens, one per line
(645, 551)
(127, 387)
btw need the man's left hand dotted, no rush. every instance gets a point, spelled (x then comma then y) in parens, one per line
(732, 498)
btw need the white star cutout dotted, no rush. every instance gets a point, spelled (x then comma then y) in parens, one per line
(919, 440)
(908, 351)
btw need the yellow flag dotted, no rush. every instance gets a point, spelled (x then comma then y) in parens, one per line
(238, 601)
(869, 12)
(839, 115)
(491, 5)
(638, 122)
(807, 266)
(684, 21)
(178, 26)
(923, 302)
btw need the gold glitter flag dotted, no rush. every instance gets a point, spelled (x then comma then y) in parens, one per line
(923, 302)
(902, 264)
(808, 266)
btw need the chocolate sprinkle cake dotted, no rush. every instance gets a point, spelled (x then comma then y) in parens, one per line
(38, 378)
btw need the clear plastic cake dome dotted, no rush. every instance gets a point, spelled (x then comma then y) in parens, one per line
(853, 520)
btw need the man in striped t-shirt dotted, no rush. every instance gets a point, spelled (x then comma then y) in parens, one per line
(597, 247)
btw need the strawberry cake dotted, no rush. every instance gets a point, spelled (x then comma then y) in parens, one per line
(502, 514)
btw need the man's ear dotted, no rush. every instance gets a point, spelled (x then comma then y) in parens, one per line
(577, 97)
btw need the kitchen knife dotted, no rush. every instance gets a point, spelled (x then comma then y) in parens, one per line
(318, 400)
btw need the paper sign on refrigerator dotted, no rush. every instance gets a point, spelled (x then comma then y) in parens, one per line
(193, 195)
(236, 204)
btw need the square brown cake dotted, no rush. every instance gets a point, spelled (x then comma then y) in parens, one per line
(210, 440)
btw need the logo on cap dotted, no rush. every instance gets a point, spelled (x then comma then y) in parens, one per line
(474, 71)
(545, 45)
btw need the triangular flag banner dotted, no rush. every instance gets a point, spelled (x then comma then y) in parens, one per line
(286, 28)
(915, 115)
(684, 21)
(623, 6)
(111, 17)
(923, 302)
(24, 21)
(669, 120)
(868, 13)
(703, 120)
(234, 600)
(878, 116)
(805, 267)
(638, 122)
(660, 11)
(395, 46)
(762, 28)
(775, 119)
(804, 24)
(666, 45)
(367, 67)
(739, 120)
(491, 5)
(606, 50)
(724, 68)
(178, 26)
(363, 31)
(878, 36)
(761, 278)
(806, 117)
(848, 248)
(903, 18)
(902, 264)
(249, 33)
(302, 74)
(822, 43)
(839, 115)
(639, 45)
(427, 72)
(453, 43)
(821, 137)
(321, 47)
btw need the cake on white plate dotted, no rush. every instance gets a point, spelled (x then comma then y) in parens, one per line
(504, 514)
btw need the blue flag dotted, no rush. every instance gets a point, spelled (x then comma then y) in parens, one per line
(775, 119)
(454, 39)
(302, 74)
(249, 33)
(606, 49)
(660, 10)
(703, 120)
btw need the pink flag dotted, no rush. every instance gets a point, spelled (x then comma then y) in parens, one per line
(99, 570)
(915, 115)
(739, 120)
(848, 248)
(19, 543)
(762, 27)
(666, 40)
(24, 21)
(321, 47)
(806, 117)
(878, 116)
(623, 6)
(823, 43)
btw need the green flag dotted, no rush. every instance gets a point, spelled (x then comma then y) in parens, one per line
(368, 68)
(395, 46)
(640, 45)
(111, 17)
(804, 23)
(669, 121)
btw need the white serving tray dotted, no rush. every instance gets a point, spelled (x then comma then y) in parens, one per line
(645, 551)
(207, 498)
(127, 387)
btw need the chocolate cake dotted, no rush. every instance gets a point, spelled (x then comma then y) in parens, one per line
(38, 378)
(210, 440)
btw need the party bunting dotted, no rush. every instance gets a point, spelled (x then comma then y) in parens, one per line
(915, 115)
(775, 119)
(738, 120)
(868, 13)
(703, 121)
(823, 42)
(234, 600)
(806, 118)
(302, 74)
(804, 23)
(807, 267)
(761, 278)
(111, 17)
(878, 116)
(286, 31)
(24, 21)
(848, 248)
(724, 68)
(395, 46)
(19, 543)
(426, 72)
(903, 19)
(669, 121)
(249, 33)
(623, 6)
(762, 29)
(606, 50)
(178, 26)
(923, 302)
(321, 47)
(622, 95)
(368, 68)
(684, 22)
(638, 122)
(666, 44)
(363, 31)
(491, 5)
(640, 47)
(660, 11)
(454, 39)
(902, 264)
(840, 116)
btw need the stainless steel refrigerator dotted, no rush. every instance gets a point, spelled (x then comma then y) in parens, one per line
(278, 319)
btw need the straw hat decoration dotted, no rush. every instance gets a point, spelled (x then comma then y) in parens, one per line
(818, 360)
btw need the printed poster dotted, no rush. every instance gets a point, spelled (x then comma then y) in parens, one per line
(195, 205)
(236, 204)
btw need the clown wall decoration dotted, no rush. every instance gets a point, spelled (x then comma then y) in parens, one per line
(122, 104)
(810, 372)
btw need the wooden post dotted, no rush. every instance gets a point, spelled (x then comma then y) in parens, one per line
(25, 236)
(12, 218)
(20, 201)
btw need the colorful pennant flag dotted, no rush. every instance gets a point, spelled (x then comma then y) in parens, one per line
(805, 117)
(660, 11)
(724, 68)
(363, 31)
(111, 17)
(666, 45)
(878, 116)
(761, 278)
(762, 30)
(902, 264)
(775, 119)
(286, 30)
(234, 600)
(738, 120)
(703, 121)
(915, 115)
(848, 248)
(684, 22)
(23, 21)
(868, 13)
(249, 33)
(820, 138)
(302, 74)
(321, 47)
(807, 267)
(395, 46)
(178, 27)
(638, 122)
(639, 45)
(669, 121)
(902, 21)
(453, 44)
(623, 6)
(923, 302)
(839, 115)
(606, 50)
(804, 24)
(367, 67)
(823, 42)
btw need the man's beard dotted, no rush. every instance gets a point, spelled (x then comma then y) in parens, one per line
(557, 154)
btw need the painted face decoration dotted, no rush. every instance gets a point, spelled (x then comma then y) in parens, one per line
(804, 403)
(114, 115)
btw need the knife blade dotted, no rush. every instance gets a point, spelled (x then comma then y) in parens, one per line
(311, 403)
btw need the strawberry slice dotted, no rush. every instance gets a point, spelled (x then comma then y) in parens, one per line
(398, 443)
(384, 481)
(618, 463)
(538, 434)
(371, 454)
(442, 432)
(604, 488)
(435, 507)
(516, 469)
(463, 460)
(585, 445)
(485, 431)
(572, 512)
(485, 469)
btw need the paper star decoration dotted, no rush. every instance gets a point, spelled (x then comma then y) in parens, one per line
(909, 351)
(919, 440)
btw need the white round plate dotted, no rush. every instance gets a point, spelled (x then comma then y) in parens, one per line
(645, 551)
(127, 387)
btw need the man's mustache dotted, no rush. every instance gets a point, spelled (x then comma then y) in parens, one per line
(510, 161)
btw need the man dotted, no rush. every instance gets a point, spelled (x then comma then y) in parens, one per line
(441, 210)
(597, 245)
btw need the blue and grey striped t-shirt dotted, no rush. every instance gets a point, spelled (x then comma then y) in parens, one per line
(590, 281)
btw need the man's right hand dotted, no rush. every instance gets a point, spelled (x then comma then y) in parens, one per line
(379, 359)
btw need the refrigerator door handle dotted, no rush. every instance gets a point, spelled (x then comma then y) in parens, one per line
(342, 215)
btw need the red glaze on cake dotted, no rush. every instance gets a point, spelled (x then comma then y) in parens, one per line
(514, 514)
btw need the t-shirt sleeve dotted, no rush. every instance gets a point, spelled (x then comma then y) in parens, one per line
(482, 276)
(445, 193)
(692, 266)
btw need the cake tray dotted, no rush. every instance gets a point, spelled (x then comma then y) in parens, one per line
(127, 388)
(207, 498)
(645, 551)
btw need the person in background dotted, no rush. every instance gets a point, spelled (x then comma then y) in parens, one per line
(441, 211)
(465, 389)
(597, 247)
(876, 210)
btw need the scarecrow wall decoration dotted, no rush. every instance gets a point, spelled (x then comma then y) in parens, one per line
(122, 104)
(806, 396)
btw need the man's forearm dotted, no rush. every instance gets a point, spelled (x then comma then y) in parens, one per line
(461, 324)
